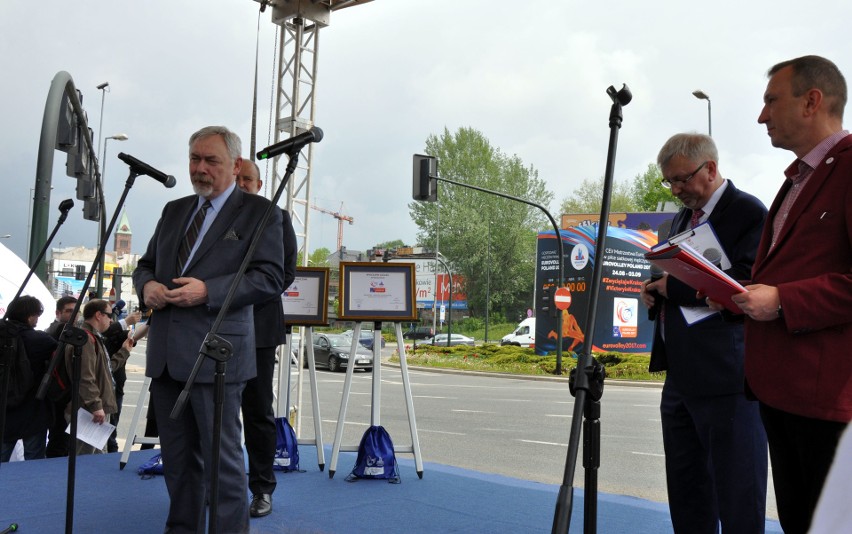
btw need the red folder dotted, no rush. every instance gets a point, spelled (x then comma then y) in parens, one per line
(684, 263)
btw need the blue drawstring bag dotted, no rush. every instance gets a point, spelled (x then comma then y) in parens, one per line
(286, 447)
(376, 457)
(152, 467)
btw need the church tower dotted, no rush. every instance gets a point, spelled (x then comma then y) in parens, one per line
(123, 236)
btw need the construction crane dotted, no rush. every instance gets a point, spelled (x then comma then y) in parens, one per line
(340, 218)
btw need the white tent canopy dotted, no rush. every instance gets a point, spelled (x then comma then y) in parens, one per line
(13, 270)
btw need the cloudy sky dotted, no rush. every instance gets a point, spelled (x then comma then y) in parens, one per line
(530, 75)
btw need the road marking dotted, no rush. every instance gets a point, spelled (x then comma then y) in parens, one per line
(543, 442)
(442, 432)
(558, 415)
(433, 397)
(648, 454)
(471, 411)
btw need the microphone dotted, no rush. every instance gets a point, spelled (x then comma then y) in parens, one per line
(140, 167)
(714, 256)
(11, 528)
(656, 274)
(291, 145)
(64, 207)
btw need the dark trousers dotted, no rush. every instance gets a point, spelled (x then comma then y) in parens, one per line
(57, 439)
(120, 378)
(186, 446)
(716, 463)
(259, 423)
(802, 450)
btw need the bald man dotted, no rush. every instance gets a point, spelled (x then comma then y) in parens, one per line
(258, 415)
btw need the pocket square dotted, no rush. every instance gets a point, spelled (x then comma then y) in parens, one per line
(232, 235)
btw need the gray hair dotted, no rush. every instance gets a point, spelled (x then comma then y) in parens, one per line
(815, 72)
(232, 140)
(692, 146)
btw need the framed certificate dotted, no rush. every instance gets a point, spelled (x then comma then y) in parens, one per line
(377, 292)
(306, 300)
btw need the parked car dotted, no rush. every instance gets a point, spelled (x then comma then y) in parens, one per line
(455, 339)
(420, 332)
(366, 338)
(332, 351)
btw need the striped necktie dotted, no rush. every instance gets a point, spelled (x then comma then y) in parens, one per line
(191, 236)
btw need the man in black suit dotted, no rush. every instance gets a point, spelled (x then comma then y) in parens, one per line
(258, 415)
(184, 276)
(716, 456)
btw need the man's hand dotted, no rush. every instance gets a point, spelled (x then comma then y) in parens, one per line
(759, 302)
(98, 417)
(155, 295)
(650, 290)
(133, 318)
(190, 292)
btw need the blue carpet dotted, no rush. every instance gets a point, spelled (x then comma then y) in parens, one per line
(447, 499)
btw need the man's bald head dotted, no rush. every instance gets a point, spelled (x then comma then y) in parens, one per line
(249, 177)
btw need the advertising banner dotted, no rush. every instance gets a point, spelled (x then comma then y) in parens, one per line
(622, 323)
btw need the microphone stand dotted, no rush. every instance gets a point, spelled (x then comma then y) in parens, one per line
(220, 350)
(587, 378)
(8, 339)
(77, 337)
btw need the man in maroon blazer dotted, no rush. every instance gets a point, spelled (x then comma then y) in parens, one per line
(799, 326)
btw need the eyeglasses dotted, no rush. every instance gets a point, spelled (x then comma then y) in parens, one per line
(668, 184)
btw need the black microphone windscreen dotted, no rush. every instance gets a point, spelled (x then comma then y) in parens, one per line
(656, 272)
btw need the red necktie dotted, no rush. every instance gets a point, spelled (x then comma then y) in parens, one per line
(696, 216)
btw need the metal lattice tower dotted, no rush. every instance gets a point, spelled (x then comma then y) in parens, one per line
(298, 54)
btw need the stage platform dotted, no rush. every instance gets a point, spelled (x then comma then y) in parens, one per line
(446, 499)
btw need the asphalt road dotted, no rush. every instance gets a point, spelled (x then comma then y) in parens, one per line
(509, 426)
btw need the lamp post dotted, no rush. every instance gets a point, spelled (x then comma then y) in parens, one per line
(487, 277)
(701, 95)
(104, 87)
(102, 208)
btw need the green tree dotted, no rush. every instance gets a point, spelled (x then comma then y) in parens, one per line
(489, 240)
(648, 191)
(317, 258)
(588, 198)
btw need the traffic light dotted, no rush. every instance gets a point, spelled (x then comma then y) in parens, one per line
(425, 184)
(548, 304)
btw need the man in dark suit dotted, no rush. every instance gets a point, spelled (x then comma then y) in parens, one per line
(184, 275)
(799, 324)
(715, 445)
(269, 332)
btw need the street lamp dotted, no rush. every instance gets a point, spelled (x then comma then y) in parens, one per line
(487, 277)
(104, 87)
(6, 236)
(102, 208)
(701, 95)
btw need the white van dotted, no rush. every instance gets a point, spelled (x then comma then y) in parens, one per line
(523, 336)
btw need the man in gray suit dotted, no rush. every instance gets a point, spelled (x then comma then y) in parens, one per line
(184, 276)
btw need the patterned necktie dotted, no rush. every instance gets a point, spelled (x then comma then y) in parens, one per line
(191, 236)
(696, 216)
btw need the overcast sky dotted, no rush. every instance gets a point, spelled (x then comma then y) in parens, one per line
(530, 75)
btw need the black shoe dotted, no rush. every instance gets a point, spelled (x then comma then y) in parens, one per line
(261, 505)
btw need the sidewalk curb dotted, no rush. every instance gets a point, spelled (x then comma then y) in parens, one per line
(538, 378)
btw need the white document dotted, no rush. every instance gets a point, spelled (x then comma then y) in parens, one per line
(699, 239)
(89, 432)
